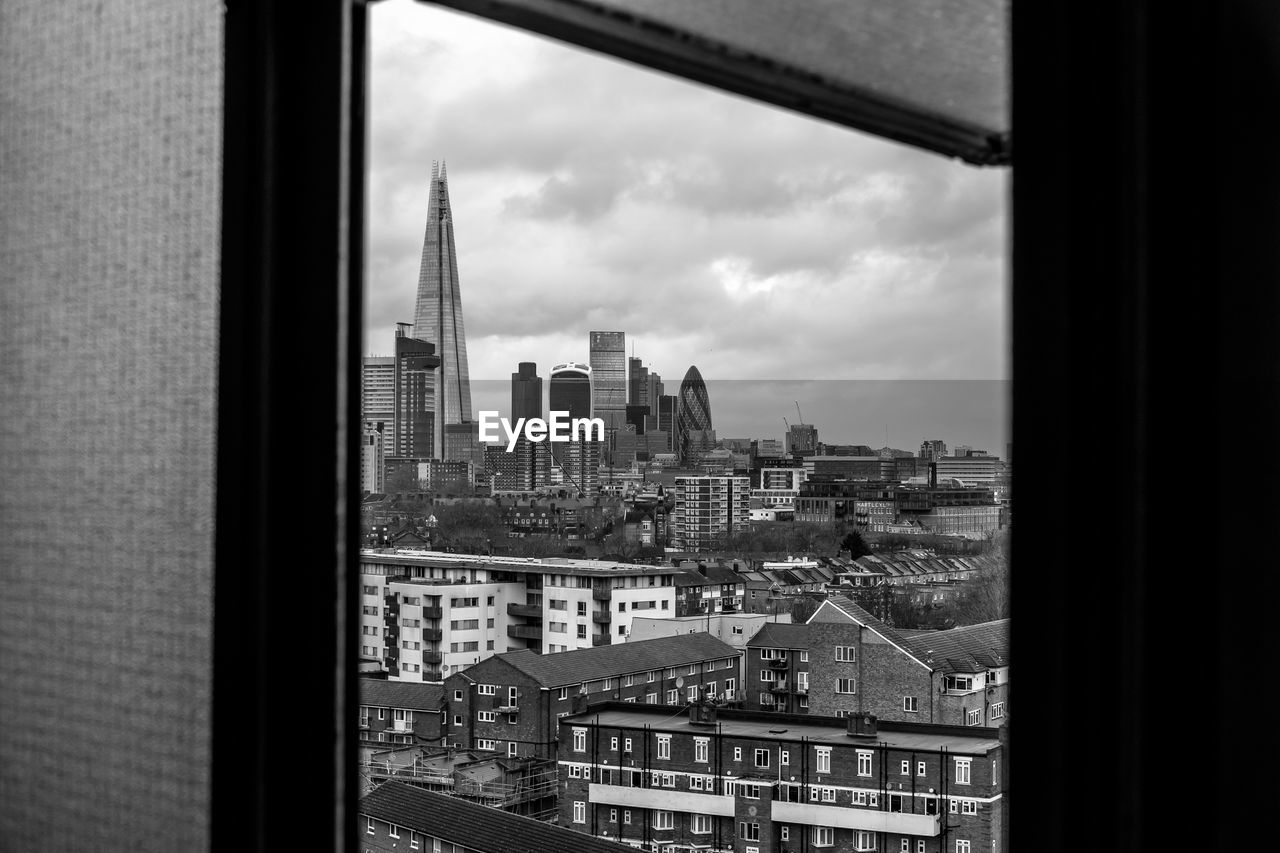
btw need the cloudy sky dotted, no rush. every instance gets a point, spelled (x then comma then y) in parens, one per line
(757, 244)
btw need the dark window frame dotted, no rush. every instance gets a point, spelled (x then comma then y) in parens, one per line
(1135, 168)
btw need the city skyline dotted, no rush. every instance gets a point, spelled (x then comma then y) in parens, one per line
(755, 244)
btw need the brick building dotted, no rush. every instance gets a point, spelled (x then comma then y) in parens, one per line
(776, 669)
(860, 664)
(400, 817)
(400, 712)
(751, 782)
(510, 702)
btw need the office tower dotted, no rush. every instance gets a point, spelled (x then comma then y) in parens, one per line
(437, 317)
(462, 444)
(609, 379)
(637, 383)
(571, 389)
(655, 391)
(802, 440)
(693, 417)
(666, 412)
(933, 449)
(526, 392)
(416, 367)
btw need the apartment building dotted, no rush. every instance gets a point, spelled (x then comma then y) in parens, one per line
(400, 713)
(844, 661)
(400, 817)
(751, 782)
(708, 510)
(510, 703)
(427, 614)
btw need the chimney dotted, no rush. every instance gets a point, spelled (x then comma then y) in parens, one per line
(702, 714)
(861, 724)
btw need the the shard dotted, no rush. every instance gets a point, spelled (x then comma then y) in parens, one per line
(437, 318)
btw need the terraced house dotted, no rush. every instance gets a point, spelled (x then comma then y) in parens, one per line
(751, 782)
(510, 703)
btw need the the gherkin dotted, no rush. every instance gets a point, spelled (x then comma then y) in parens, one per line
(693, 417)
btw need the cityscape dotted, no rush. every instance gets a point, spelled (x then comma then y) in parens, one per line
(647, 634)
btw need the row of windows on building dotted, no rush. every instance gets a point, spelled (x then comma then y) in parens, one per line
(701, 824)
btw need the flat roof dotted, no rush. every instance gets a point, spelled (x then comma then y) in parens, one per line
(921, 737)
(548, 565)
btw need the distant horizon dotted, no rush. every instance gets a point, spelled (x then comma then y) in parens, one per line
(751, 242)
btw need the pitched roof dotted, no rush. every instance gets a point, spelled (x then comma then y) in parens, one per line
(474, 826)
(565, 668)
(781, 635)
(377, 692)
(972, 648)
(855, 613)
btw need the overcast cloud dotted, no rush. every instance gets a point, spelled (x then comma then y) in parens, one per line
(756, 244)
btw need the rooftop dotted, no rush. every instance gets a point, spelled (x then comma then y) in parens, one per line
(569, 668)
(540, 565)
(924, 737)
(781, 635)
(380, 693)
(473, 826)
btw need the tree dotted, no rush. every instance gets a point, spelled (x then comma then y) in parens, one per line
(855, 545)
(617, 545)
(985, 596)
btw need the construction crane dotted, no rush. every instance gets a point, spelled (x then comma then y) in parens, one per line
(798, 412)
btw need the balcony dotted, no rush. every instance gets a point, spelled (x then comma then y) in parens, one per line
(868, 820)
(602, 593)
(601, 617)
(508, 709)
(528, 611)
(431, 635)
(778, 663)
(662, 798)
(525, 632)
(780, 687)
(432, 657)
(432, 613)
(600, 640)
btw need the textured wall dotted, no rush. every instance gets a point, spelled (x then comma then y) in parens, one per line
(110, 147)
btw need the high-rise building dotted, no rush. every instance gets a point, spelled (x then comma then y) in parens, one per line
(378, 404)
(526, 392)
(802, 440)
(708, 510)
(462, 444)
(693, 417)
(609, 379)
(637, 383)
(666, 412)
(571, 389)
(371, 456)
(933, 449)
(416, 367)
(378, 389)
(438, 313)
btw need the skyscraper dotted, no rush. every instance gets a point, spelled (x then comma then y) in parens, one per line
(609, 378)
(526, 392)
(416, 420)
(438, 313)
(571, 391)
(694, 432)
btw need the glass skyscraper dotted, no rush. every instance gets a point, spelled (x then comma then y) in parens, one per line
(437, 316)
(693, 417)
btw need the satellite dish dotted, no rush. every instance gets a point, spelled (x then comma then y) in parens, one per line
(680, 682)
